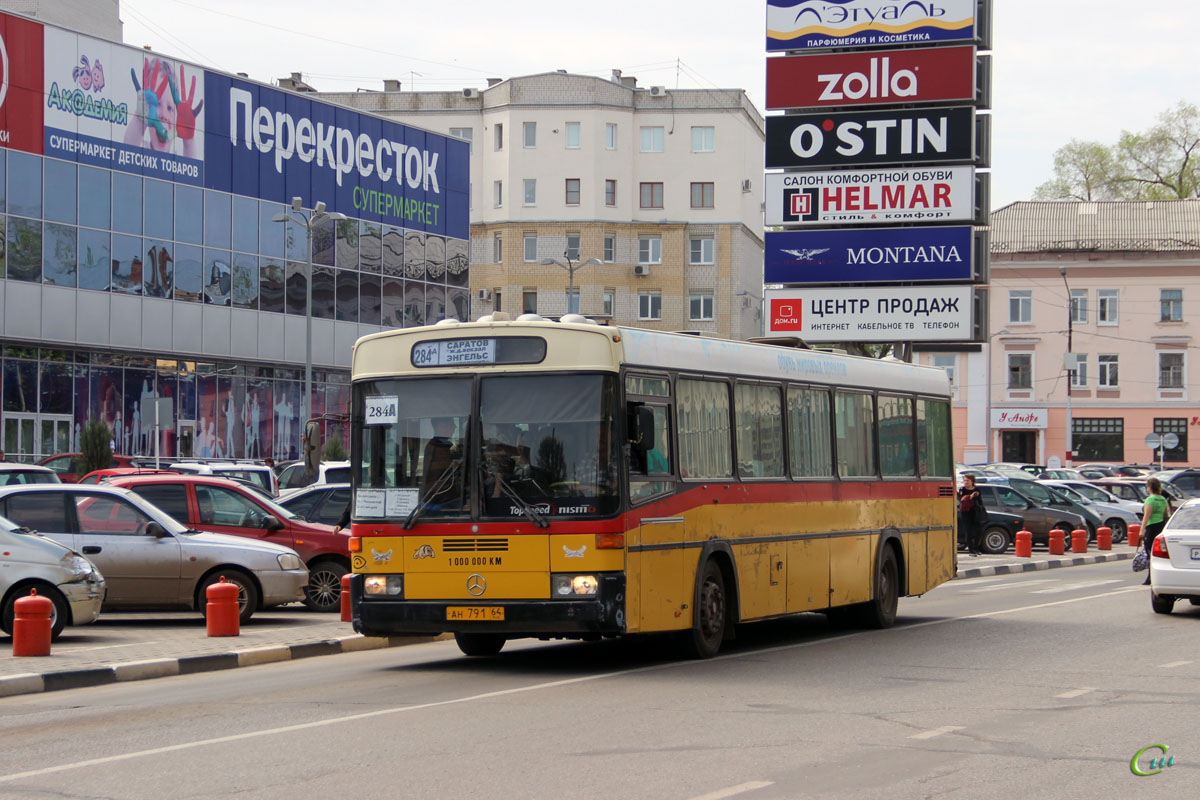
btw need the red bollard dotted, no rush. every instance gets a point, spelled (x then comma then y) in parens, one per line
(1135, 535)
(1104, 538)
(1024, 545)
(1057, 542)
(345, 598)
(31, 625)
(222, 612)
(1078, 541)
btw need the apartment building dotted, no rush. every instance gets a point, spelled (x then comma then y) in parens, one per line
(1116, 286)
(660, 186)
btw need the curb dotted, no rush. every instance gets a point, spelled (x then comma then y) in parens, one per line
(81, 677)
(1038, 566)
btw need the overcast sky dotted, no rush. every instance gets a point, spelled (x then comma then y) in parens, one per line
(1062, 68)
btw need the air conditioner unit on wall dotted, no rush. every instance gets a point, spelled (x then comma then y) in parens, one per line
(658, 91)
(470, 94)
(746, 185)
(641, 270)
(484, 294)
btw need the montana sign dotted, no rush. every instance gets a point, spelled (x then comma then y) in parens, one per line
(885, 314)
(815, 24)
(930, 75)
(871, 196)
(869, 255)
(866, 137)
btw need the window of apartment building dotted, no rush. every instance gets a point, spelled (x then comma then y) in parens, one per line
(610, 193)
(702, 250)
(572, 188)
(1107, 376)
(703, 139)
(497, 248)
(530, 185)
(573, 301)
(1170, 370)
(702, 195)
(1079, 306)
(530, 240)
(498, 130)
(700, 305)
(1098, 438)
(1106, 306)
(497, 304)
(1020, 306)
(1179, 427)
(610, 301)
(529, 301)
(649, 305)
(573, 135)
(1020, 370)
(1079, 375)
(610, 247)
(498, 193)
(466, 134)
(652, 139)
(610, 136)
(572, 247)
(651, 195)
(529, 134)
(649, 249)
(1172, 305)
(948, 362)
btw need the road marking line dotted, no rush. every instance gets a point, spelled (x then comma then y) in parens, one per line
(937, 732)
(323, 723)
(1013, 585)
(1174, 664)
(741, 788)
(1076, 692)
(1070, 587)
(71, 650)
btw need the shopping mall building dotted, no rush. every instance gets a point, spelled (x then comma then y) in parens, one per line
(140, 257)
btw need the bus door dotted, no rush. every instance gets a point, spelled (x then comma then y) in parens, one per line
(664, 596)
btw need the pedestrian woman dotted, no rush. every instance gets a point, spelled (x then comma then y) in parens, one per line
(1154, 516)
(970, 514)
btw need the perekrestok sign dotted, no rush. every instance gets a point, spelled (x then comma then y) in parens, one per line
(874, 255)
(875, 137)
(875, 196)
(821, 80)
(816, 24)
(877, 314)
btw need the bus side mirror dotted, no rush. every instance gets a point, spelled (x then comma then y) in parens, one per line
(312, 447)
(641, 438)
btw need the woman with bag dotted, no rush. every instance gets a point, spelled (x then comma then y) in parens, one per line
(1154, 517)
(970, 514)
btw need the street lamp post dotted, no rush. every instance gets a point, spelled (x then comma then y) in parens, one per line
(990, 433)
(570, 267)
(308, 222)
(1069, 363)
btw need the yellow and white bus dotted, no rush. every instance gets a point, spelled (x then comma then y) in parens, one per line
(547, 479)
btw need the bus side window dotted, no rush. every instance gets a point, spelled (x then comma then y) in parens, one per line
(655, 461)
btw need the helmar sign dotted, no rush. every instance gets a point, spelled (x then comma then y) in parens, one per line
(813, 24)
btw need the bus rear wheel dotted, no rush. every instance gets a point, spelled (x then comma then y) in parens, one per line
(880, 611)
(708, 625)
(479, 644)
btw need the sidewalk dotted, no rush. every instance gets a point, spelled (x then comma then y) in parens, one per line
(136, 646)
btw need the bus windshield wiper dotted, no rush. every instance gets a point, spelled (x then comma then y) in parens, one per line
(507, 490)
(448, 474)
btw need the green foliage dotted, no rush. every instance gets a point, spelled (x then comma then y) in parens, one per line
(94, 447)
(335, 450)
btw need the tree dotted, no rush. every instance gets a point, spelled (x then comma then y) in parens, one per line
(95, 451)
(334, 449)
(1082, 171)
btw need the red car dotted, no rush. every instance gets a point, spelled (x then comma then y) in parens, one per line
(218, 505)
(67, 465)
(97, 475)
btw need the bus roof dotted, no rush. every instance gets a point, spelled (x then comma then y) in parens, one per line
(589, 346)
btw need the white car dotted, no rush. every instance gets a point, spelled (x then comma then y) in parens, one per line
(295, 476)
(1115, 514)
(1175, 560)
(252, 471)
(70, 581)
(12, 474)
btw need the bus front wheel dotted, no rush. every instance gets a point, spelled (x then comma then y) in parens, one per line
(708, 627)
(479, 644)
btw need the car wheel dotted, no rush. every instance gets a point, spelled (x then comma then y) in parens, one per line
(247, 592)
(1119, 529)
(995, 540)
(703, 639)
(324, 589)
(1161, 603)
(58, 614)
(479, 644)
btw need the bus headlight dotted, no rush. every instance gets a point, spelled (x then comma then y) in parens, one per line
(574, 585)
(383, 586)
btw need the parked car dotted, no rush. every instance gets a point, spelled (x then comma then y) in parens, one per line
(1097, 470)
(1038, 519)
(17, 474)
(261, 474)
(1010, 470)
(97, 475)
(999, 531)
(1093, 491)
(295, 476)
(67, 465)
(1060, 475)
(217, 505)
(1044, 495)
(982, 475)
(1135, 489)
(1175, 560)
(1187, 481)
(1117, 516)
(319, 503)
(67, 579)
(147, 558)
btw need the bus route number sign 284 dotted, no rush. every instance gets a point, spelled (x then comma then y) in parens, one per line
(381, 410)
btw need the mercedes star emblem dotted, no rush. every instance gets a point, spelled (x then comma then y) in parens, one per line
(476, 585)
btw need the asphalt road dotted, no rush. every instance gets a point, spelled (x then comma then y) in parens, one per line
(1033, 685)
